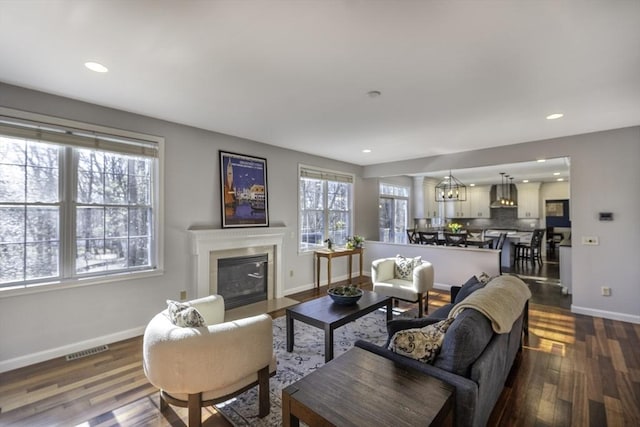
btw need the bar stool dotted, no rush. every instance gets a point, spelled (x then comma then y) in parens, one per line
(532, 250)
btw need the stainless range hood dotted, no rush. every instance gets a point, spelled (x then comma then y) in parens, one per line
(499, 191)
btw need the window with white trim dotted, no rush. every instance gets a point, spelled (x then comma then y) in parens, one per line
(75, 203)
(325, 208)
(393, 213)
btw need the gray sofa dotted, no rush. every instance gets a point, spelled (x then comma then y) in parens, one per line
(474, 359)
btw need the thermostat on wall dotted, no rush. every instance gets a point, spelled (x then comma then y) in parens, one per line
(606, 216)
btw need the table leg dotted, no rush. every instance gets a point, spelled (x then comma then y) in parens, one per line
(360, 278)
(350, 266)
(288, 419)
(317, 271)
(328, 343)
(289, 333)
(328, 272)
(390, 310)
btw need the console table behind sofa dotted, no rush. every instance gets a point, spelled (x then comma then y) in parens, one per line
(452, 265)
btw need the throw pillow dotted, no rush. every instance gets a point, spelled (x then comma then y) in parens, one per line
(472, 285)
(422, 344)
(184, 315)
(404, 267)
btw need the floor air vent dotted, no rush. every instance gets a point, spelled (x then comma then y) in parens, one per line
(85, 353)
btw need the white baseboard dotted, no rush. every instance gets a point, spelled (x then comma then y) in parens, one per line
(41, 356)
(606, 314)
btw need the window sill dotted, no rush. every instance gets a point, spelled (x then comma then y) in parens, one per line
(75, 283)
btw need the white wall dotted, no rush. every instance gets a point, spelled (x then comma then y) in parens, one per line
(43, 325)
(604, 176)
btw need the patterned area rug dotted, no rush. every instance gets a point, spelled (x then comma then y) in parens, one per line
(307, 356)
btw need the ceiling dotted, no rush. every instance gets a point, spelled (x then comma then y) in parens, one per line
(551, 170)
(453, 75)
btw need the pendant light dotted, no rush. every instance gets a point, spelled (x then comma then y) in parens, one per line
(451, 189)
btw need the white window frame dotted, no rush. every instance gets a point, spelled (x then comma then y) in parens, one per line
(326, 175)
(8, 115)
(395, 197)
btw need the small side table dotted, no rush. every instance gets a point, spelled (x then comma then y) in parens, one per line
(329, 255)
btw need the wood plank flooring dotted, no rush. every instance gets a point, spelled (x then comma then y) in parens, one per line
(574, 371)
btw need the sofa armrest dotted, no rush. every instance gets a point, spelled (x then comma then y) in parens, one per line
(382, 270)
(466, 393)
(423, 277)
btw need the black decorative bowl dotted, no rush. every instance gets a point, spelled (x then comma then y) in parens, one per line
(345, 295)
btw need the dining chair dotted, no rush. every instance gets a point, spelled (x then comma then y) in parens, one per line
(412, 237)
(455, 239)
(428, 237)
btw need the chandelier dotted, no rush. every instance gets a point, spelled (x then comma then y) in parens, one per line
(450, 189)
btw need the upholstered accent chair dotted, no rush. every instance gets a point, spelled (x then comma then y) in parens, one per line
(413, 289)
(201, 366)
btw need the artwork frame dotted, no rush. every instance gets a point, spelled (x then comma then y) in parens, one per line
(243, 190)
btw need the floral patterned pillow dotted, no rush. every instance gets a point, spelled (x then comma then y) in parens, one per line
(422, 344)
(404, 267)
(184, 315)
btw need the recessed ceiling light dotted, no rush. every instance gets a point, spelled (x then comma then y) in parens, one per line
(554, 116)
(525, 180)
(374, 93)
(472, 185)
(94, 66)
(560, 179)
(366, 150)
(556, 173)
(541, 160)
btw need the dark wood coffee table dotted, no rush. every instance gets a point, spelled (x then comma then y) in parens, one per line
(323, 313)
(361, 388)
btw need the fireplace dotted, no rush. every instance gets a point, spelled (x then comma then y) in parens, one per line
(243, 280)
(209, 246)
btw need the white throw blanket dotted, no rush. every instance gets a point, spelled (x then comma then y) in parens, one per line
(501, 300)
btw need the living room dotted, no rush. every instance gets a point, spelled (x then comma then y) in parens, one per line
(44, 322)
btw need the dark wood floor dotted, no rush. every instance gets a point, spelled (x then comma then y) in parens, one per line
(574, 371)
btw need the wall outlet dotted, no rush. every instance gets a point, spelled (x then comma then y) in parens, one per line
(606, 291)
(590, 240)
(183, 295)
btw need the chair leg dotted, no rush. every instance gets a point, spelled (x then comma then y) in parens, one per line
(194, 405)
(163, 403)
(264, 402)
(420, 309)
(426, 302)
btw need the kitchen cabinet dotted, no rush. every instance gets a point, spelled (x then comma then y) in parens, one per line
(480, 199)
(528, 200)
(458, 209)
(431, 207)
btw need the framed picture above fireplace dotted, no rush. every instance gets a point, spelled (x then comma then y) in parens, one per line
(243, 190)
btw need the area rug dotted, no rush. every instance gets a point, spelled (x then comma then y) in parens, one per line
(307, 356)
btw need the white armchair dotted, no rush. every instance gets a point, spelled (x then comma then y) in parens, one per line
(202, 366)
(415, 290)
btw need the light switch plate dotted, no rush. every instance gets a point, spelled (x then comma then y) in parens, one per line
(590, 240)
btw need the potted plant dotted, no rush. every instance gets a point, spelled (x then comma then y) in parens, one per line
(454, 227)
(355, 242)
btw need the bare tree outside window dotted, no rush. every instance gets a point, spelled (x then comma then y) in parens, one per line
(325, 212)
(111, 226)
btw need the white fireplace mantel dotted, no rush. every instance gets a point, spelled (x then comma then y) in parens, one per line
(205, 241)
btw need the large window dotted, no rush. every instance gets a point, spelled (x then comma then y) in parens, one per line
(74, 204)
(393, 213)
(325, 210)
